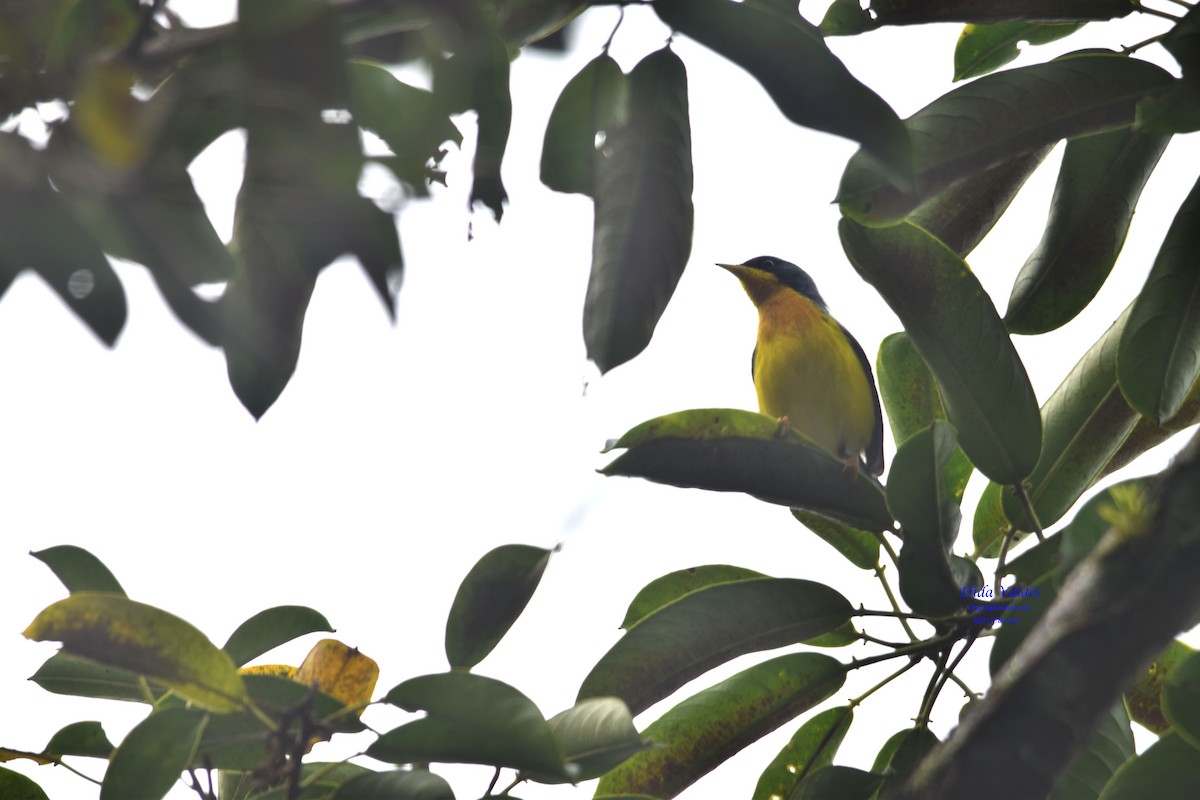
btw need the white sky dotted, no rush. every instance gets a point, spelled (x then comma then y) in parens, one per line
(397, 456)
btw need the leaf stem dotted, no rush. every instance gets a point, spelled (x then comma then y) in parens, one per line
(940, 676)
(857, 701)
(1004, 545)
(1154, 12)
(887, 589)
(1028, 506)
(916, 649)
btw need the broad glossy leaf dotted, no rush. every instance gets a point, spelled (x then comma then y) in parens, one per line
(398, 784)
(669, 588)
(67, 674)
(1109, 746)
(268, 629)
(812, 747)
(962, 214)
(15, 785)
(122, 633)
(1159, 358)
(1169, 768)
(983, 48)
(997, 118)
(701, 732)
(490, 599)
(860, 548)
(596, 735)
(708, 627)
(80, 739)
(643, 225)
(837, 781)
(901, 754)
(1099, 183)
(1144, 698)
(469, 719)
(1181, 699)
(729, 450)
(275, 695)
(846, 18)
(591, 103)
(79, 570)
(1147, 433)
(341, 672)
(955, 328)
(789, 57)
(990, 525)
(153, 755)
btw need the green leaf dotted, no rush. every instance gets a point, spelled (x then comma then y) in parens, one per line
(268, 629)
(1094, 519)
(79, 570)
(1025, 608)
(1159, 359)
(398, 784)
(469, 719)
(643, 224)
(490, 599)
(846, 18)
(789, 57)
(708, 627)
(153, 755)
(319, 780)
(962, 214)
(1181, 699)
(1099, 184)
(15, 785)
(80, 739)
(990, 525)
(119, 632)
(729, 450)
(901, 754)
(66, 674)
(1109, 746)
(859, 547)
(1147, 433)
(1144, 698)
(1036, 561)
(277, 695)
(955, 328)
(812, 747)
(592, 103)
(1169, 769)
(669, 588)
(847, 783)
(906, 12)
(983, 48)
(701, 732)
(997, 118)
(596, 735)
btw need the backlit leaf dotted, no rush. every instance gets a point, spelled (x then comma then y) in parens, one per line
(1144, 698)
(812, 747)
(1169, 768)
(591, 103)
(268, 629)
(669, 588)
(860, 548)
(596, 735)
(79, 570)
(153, 755)
(983, 48)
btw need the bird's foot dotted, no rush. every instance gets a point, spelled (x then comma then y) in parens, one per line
(781, 426)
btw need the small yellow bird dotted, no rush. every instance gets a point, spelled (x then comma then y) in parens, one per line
(808, 370)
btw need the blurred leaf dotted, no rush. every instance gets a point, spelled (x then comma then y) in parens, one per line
(79, 570)
(669, 588)
(319, 781)
(901, 754)
(1169, 769)
(962, 214)
(268, 629)
(860, 548)
(1099, 184)
(80, 739)
(846, 783)
(1036, 561)
(728, 450)
(1144, 697)
(846, 18)
(812, 747)
(983, 48)
(595, 735)
(469, 719)
(1022, 616)
(955, 328)
(1109, 746)
(153, 755)
(905, 12)
(397, 784)
(1159, 359)
(85, 29)
(708, 627)
(66, 674)
(1181, 699)
(490, 599)
(702, 731)
(592, 103)
(15, 785)
(997, 118)
(1094, 519)
(1147, 433)
(643, 223)
(119, 632)
(789, 57)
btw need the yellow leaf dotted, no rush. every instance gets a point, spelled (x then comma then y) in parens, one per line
(340, 671)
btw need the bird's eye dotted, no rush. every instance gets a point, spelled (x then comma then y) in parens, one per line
(768, 262)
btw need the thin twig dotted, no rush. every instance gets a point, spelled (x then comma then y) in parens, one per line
(858, 700)
(931, 690)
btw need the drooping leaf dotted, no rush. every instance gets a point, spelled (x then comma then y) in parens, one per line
(846, 18)
(997, 118)
(955, 328)
(490, 599)
(268, 629)
(1169, 768)
(79, 570)
(669, 588)
(905, 12)
(153, 755)
(122, 633)
(1159, 359)
(1144, 699)
(1098, 187)
(469, 719)
(708, 627)
(643, 225)
(729, 450)
(812, 747)
(63, 673)
(397, 784)
(901, 754)
(789, 57)
(14, 784)
(860, 548)
(596, 735)
(319, 780)
(340, 671)
(80, 739)
(984, 48)
(837, 781)
(704, 730)
(591, 104)
(1181, 699)
(1109, 746)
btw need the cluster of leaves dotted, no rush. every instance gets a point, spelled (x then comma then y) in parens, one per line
(254, 725)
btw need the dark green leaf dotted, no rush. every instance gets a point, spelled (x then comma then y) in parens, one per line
(1144, 697)
(1020, 610)
(1109, 746)
(66, 674)
(729, 450)
(906, 12)
(276, 695)
(1168, 770)
(846, 18)
(643, 224)
(669, 588)
(1098, 187)
(860, 548)
(901, 754)
(840, 636)
(1147, 433)
(997, 118)
(1094, 519)
(704, 730)
(596, 735)
(153, 755)
(490, 599)
(268, 629)
(789, 57)
(1036, 561)
(983, 48)
(79, 570)
(400, 784)
(955, 328)
(1181, 699)
(846, 783)
(1159, 359)
(79, 739)
(709, 627)
(592, 103)
(812, 747)
(19, 787)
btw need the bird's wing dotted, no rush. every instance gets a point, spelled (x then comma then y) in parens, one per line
(874, 458)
